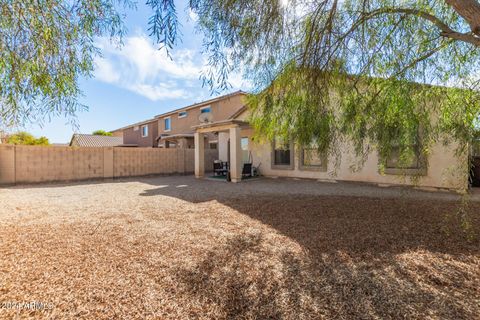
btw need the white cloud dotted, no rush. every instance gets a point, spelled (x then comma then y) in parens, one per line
(158, 92)
(140, 67)
(105, 71)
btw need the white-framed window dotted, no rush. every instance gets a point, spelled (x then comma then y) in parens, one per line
(182, 114)
(168, 124)
(145, 131)
(206, 109)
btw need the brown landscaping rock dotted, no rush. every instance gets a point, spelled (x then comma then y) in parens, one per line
(178, 248)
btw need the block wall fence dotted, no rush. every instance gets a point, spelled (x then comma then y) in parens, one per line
(36, 164)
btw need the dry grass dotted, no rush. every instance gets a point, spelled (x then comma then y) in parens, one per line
(216, 251)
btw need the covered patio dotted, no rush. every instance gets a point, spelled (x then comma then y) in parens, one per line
(183, 141)
(233, 128)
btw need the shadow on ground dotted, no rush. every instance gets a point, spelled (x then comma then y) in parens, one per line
(265, 249)
(359, 257)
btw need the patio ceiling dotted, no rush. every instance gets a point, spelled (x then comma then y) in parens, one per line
(223, 125)
(175, 136)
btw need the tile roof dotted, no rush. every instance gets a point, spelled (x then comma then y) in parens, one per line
(238, 112)
(90, 140)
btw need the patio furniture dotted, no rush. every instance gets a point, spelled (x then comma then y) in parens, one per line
(256, 171)
(220, 168)
(247, 170)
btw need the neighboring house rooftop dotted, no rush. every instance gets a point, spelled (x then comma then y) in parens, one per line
(90, 140)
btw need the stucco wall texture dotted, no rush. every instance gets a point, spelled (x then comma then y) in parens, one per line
(446, 170)
(35, 164)
(134, 137)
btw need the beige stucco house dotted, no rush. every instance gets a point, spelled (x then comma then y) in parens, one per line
(445, 169)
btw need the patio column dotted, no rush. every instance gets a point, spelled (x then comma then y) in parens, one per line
(235, 155)
(199, 155)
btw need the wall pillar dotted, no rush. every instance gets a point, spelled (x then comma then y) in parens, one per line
(108, 163)
(222, 146)
(199, 155)
(235, 155)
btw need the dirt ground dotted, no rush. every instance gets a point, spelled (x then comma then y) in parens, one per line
(180, 248)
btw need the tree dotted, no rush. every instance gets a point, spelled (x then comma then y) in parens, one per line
(101, 133)
(370, 53)
(25, 138)
(45, 47)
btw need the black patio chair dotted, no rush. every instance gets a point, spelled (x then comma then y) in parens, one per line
(218, 168)
(247, 170)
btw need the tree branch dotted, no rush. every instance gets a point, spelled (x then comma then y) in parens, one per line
(469, 10)
(445, 30)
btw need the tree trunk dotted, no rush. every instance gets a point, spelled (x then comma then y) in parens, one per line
(469, 10)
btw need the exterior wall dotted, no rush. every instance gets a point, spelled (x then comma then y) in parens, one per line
(221, 110)
(34, 164)
(117, 133)
(130, 136)
(445, 169)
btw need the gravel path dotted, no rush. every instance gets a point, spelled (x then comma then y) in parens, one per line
(180, 248)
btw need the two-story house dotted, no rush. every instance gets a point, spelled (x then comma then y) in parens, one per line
(173, 129)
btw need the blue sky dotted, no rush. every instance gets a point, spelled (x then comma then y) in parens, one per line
(137, 81)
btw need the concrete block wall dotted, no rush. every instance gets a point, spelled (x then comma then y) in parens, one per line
(43, 164)
(108, 163)
(34, 164)
(129, 162)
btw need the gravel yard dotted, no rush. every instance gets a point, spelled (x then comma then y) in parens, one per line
(181, 248)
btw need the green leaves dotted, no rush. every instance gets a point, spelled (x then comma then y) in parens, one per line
(45, 47)
(101, 133)
(323, 71)
(163, 24)
(359, 71)
(25, 138)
